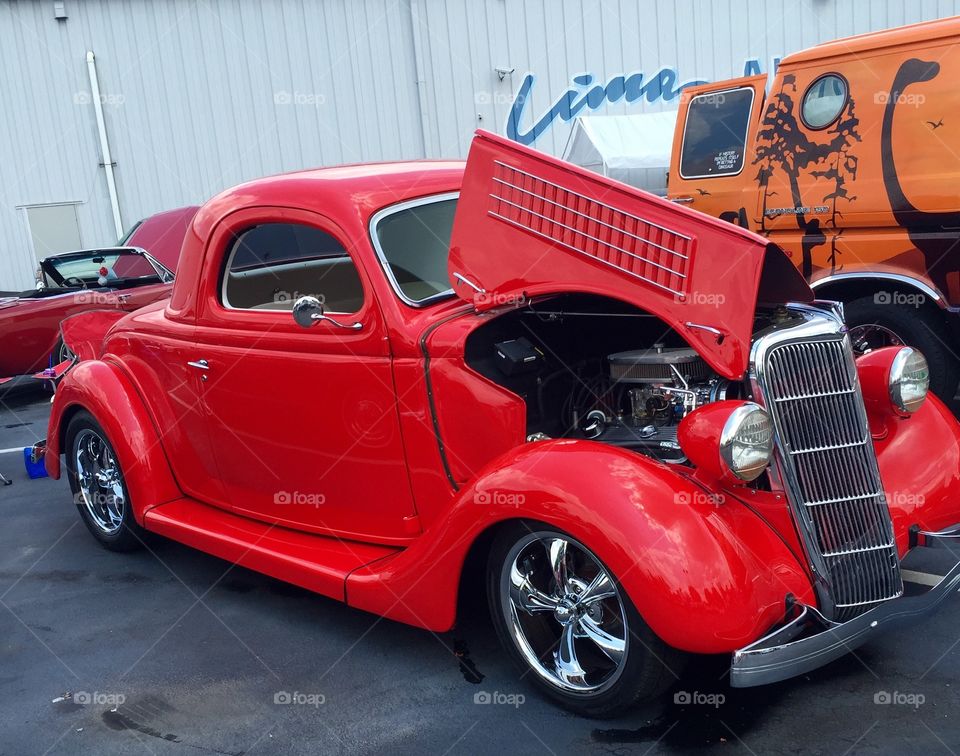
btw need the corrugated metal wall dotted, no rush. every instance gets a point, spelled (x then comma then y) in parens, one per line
(200, 96)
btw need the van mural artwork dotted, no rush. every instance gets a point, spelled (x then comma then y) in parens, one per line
(849, 162)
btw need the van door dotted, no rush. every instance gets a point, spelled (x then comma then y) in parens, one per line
(712, 152)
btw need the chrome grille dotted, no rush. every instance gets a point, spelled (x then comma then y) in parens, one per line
(811, 390)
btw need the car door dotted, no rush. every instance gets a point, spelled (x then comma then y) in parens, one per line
(711, 161)
(304, 422)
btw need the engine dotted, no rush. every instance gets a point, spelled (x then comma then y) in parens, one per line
(646, 395)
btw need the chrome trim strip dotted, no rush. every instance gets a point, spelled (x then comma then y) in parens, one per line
(548, 219)
(916, 283)
(585, 254)
(591, 199)
(381, 256)
(588, 217)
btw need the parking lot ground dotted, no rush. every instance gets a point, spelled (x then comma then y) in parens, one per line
(168, 650)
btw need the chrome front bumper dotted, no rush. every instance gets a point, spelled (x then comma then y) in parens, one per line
(809, 640)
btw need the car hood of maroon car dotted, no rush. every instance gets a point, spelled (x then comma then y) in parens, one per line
(528, 224)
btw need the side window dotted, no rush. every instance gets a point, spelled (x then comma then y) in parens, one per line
(271, 265)
(715, 134)
(823, 101)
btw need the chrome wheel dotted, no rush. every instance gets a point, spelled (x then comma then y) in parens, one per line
(100, 481)
(63, 353)
(565, 613)
(870, 336)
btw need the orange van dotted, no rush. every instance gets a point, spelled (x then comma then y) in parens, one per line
(851, 163)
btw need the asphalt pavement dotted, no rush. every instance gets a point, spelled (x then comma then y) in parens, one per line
(169, 650)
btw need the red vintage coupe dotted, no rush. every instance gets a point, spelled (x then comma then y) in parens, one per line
(635, 415)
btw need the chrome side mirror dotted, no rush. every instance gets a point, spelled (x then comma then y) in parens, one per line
(308, 311)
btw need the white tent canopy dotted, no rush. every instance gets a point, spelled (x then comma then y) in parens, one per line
(634, 149)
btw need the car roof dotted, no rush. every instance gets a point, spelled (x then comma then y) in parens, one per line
(928, 32)
(363, 188)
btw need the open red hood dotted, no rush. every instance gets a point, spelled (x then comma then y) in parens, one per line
(528, 224)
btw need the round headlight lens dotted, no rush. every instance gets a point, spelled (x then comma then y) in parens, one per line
(746, 443)
(909, 380)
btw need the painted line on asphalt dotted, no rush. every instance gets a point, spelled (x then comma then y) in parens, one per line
(17, 449)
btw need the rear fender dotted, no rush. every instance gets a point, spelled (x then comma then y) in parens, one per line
(706, 577)
(103, 391)
(84, 332)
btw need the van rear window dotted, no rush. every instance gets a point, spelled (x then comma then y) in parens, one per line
(715, 134)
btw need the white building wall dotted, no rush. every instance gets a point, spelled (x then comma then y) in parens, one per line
(201, 96)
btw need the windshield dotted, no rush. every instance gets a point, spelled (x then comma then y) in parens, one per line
(413, 242)
(105, 268)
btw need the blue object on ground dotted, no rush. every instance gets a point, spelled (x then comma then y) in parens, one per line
(34, 469)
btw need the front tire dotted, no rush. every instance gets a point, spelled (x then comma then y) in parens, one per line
(570, 627)
(874, 324)
(98, 486)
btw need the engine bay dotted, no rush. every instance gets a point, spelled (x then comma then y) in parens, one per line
(595, 369)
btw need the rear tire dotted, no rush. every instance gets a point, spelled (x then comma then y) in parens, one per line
(579, 639)
(874, 324)
(98, 486)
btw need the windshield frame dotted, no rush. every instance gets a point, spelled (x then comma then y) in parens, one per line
(49, 267)
(382, 257)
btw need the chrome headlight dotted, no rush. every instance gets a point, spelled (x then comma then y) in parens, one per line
(746, 443)
(909, 380)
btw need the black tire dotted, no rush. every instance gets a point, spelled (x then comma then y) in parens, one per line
(125, 534)
(919, 327)
(648, 665)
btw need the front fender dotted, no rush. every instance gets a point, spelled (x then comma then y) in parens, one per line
(706, 577)
(103, 391)
(919, 460)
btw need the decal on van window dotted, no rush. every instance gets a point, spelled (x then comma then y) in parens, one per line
(715, 133)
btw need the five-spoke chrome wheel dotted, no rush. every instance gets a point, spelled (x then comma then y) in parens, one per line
(565, 613)
(99, 480)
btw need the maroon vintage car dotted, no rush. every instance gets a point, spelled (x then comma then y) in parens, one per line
(161, 234)
(124, 278)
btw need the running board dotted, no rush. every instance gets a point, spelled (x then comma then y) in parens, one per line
(317, 563)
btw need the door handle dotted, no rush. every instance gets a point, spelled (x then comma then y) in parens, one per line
(681, 200)
(200, 364)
